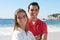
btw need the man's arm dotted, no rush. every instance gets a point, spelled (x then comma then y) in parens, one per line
(44, 36)
(44, 31)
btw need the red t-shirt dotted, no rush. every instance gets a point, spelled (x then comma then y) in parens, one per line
(38, 28)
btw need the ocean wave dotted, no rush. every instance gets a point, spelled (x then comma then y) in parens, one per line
(6, 31)
(9, 30)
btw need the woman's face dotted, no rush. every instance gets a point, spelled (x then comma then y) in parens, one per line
(21, 19)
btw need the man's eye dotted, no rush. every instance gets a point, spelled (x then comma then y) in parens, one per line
(36, 9)
(32, 10)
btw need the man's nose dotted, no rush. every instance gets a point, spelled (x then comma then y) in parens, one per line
(34, 11)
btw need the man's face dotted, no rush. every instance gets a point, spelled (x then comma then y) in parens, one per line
(33, 11)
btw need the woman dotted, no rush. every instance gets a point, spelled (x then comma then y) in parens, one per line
(21, 27)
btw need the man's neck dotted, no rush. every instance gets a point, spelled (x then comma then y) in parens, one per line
(33, 19)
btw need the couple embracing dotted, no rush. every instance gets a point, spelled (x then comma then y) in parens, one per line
(29, 28)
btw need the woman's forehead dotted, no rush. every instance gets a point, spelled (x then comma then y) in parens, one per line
(20, 14)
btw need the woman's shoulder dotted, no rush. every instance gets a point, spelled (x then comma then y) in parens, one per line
(17, 32)
(29, 32)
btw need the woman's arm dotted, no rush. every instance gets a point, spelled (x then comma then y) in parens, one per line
(32, 36)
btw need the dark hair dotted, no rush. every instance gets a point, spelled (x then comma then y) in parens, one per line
(16, 25)
(34, 4)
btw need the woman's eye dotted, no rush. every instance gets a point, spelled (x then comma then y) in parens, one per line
(19, 17)
(24, 16)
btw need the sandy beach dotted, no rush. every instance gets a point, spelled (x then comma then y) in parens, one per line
(53, 36)
(6, 33)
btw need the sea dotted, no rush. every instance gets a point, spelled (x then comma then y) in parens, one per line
(10, 23)
(6, 22)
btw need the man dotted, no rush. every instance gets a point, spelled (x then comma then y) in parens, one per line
(36, 26)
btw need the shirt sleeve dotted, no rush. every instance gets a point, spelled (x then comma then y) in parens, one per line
(44, 28)
(16, 36)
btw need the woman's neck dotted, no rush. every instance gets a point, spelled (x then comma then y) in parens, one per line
(23, 27)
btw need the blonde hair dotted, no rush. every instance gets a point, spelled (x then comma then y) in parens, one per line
(16, 25)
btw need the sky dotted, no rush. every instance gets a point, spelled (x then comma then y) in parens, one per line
(47, 7)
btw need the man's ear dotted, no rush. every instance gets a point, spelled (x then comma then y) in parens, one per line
(38, 11)
(28, 10)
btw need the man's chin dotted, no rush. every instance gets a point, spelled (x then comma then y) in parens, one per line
(33, 17)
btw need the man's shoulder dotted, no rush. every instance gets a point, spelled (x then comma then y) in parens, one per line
(40, 21)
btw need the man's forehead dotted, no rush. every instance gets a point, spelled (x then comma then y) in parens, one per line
(34, 6)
